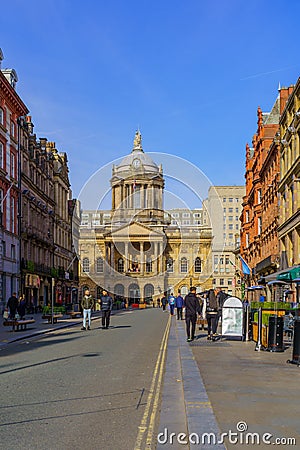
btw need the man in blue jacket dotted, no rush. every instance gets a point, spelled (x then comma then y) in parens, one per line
(179, 306)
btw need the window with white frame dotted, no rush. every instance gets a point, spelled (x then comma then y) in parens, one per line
(259, 225)
(121, 265)
(12, 128)
(183, 265)
(99, 265)
(259, 196)
(85, 265)
(170, 265)
(247, 239)
(185, 215)
(149, 265)
(12, 165)
(197, 265)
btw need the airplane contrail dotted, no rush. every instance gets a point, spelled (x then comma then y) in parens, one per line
(261, 74)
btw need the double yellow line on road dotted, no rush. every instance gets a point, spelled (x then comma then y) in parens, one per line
(148, 420)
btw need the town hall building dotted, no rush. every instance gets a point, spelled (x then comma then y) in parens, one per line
(136, 251)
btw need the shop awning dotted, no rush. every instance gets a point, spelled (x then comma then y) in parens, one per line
(289, 275)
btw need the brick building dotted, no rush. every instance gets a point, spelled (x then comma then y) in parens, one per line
(11, 108)
(259, 219)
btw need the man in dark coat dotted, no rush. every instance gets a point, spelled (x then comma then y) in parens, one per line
(12, 304)
(192, 307)
(106, 303)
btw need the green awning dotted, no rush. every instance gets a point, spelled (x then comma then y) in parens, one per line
(289, 275)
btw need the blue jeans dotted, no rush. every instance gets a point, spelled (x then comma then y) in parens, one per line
(87, 314)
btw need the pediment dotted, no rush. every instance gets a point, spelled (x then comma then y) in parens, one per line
(136, 229)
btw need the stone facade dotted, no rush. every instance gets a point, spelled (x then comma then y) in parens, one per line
(259, 219)
(134, 251)
(289, 185)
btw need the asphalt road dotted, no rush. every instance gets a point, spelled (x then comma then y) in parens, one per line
(75, 389)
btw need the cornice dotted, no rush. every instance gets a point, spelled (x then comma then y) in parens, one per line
(12, 97)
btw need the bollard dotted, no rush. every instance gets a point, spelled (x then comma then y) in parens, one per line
(296, 344)
(246, 323)
(258, 346)
(275, 337)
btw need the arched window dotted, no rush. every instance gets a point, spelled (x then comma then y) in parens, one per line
(170, 265)
(183, 265)
(149, 265)
(120, 265)
(99, 265)
(85, 265)
(148, 292)
(198, 265)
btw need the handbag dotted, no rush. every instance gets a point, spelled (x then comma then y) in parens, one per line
(5, 314)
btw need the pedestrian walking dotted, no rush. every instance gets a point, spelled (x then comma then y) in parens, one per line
(106, 303)
(211, 313)
(179, 306)
(87, 304)
(158, 302)
(22, 306)
(12, 304)
(192, 307)
(221, 297)
(164, 301)
(171, 301)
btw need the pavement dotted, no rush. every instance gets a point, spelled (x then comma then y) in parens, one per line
(212, 388)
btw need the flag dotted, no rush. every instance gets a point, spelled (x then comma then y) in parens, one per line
(244, 266)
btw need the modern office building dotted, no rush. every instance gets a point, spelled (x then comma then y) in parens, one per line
(221, 211)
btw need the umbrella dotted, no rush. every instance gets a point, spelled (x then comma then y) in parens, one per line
(277, 282)
(253, 288)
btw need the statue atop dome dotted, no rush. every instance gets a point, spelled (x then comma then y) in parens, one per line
(137, 142)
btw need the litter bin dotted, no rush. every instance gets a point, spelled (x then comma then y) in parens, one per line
(296, 344)
(275, 337)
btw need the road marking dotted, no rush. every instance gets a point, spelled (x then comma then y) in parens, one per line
(158, 371)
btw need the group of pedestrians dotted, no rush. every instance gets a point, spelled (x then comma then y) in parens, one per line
(88, 304)
(207, 306)
(16, 308)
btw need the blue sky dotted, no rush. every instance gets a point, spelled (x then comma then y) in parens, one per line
(190, 74)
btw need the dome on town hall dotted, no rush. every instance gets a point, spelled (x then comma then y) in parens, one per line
(137, 160)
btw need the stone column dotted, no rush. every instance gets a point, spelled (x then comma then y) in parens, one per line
(112, 258)
(156, 257)
(126, 257)
(142, 258)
